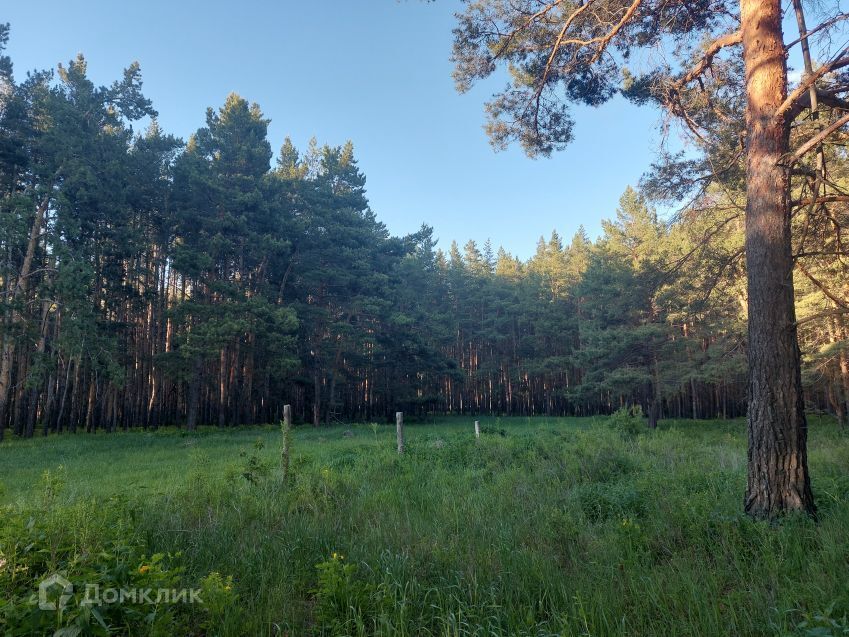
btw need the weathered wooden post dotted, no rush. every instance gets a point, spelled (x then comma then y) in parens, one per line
(477, 429)
(399, 430)
(287, 438)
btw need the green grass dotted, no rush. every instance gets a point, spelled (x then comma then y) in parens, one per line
(543, 527)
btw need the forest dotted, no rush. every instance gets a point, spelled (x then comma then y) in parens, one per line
(210, 347)
(152, 281)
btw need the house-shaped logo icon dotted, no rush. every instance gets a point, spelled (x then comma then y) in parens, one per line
(54, 593)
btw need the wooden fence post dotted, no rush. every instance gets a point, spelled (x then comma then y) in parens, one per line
(287, 438)
(399, 430)
(477, 429)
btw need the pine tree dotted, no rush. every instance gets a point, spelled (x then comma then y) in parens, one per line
(561, 53)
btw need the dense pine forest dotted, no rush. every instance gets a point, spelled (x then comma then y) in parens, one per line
(152, 281)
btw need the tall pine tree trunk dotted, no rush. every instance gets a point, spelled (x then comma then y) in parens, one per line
(18, 293)
(654, 407)
(222, 387)
(193, 398)
(839, 334)
(844, 386)
(316, 404)
(778, 479)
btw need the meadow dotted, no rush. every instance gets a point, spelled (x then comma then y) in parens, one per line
(544, 526)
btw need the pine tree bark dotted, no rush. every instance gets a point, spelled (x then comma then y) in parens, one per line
(316, 405)
(194, 395)
(656, 398)
(843, 382)
(778, 479)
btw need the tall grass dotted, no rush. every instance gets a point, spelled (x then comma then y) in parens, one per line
(552, 527)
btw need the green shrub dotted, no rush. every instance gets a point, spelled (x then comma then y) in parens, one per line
(221, 610)
(628, 421)
(343, 602)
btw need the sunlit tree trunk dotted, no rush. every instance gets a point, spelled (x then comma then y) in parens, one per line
(778, 479)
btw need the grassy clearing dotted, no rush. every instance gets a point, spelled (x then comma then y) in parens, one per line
(544, 527)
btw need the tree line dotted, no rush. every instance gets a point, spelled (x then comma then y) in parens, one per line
(151, 282)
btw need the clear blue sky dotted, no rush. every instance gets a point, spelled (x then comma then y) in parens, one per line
(374, 71)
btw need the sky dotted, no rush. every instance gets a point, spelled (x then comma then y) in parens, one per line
(377, 72)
